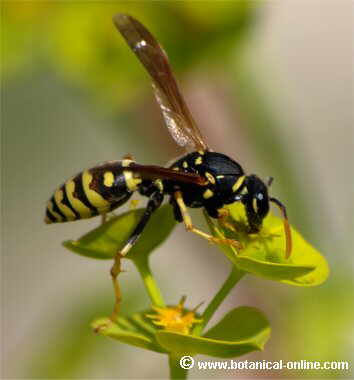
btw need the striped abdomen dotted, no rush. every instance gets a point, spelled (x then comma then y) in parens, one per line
(94, 191)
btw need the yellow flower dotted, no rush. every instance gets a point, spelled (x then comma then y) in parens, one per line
(175, 318)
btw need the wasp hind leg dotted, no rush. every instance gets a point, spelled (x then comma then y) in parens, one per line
(189, 225)
(153, 204)
(103, 218)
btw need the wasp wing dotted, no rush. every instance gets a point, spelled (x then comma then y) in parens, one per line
(158, 172)
(174, 109)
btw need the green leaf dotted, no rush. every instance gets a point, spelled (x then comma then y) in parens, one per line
(242, 330)
(136, 331)
(242, 323)
(104, 241)
(264, 253)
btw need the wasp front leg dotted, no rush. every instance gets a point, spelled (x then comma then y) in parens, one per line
(189, 225)
(153, 204)
(223, 219)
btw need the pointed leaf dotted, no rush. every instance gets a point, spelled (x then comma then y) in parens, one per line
(242, 323)
(264, 253)
(242, 330)
(104, 241)
(136, 330)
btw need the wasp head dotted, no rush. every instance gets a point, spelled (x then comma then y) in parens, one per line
(256, 201)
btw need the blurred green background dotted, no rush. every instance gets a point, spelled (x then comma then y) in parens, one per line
(270, 84)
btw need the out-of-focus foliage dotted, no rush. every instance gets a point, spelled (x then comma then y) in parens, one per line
(79, 39)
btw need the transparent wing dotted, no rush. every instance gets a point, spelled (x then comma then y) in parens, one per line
(158, 172)
(174, 109)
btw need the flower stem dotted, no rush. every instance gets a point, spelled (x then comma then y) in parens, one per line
(176, 371)
(234, 277)
(150, 284)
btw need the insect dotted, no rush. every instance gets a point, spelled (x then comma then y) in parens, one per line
(200, 179)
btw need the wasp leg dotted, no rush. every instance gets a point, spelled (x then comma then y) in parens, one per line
(103, 218)
(223, 215)
(115, 271)
(176, 210)
(189, 225)
(153, 204)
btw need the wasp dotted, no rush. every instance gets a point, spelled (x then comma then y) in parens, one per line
(202, 178)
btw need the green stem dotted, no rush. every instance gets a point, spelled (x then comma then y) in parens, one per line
(234, 277)
(176, 371)
(150, 284)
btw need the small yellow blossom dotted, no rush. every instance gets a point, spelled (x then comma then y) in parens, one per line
(174, 318)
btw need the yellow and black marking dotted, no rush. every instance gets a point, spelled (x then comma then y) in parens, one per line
(210, 177)
(159, 184)
(238, 184)
(198, 160)
(131, 180)
(76, 199)
(92, 192)
(208, 194)
(108, 179)
(254, 205)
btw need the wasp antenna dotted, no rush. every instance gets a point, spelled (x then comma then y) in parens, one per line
(288, 240)
(270, 181)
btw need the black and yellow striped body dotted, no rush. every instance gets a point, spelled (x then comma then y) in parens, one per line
(92, 192)
(105, 187)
